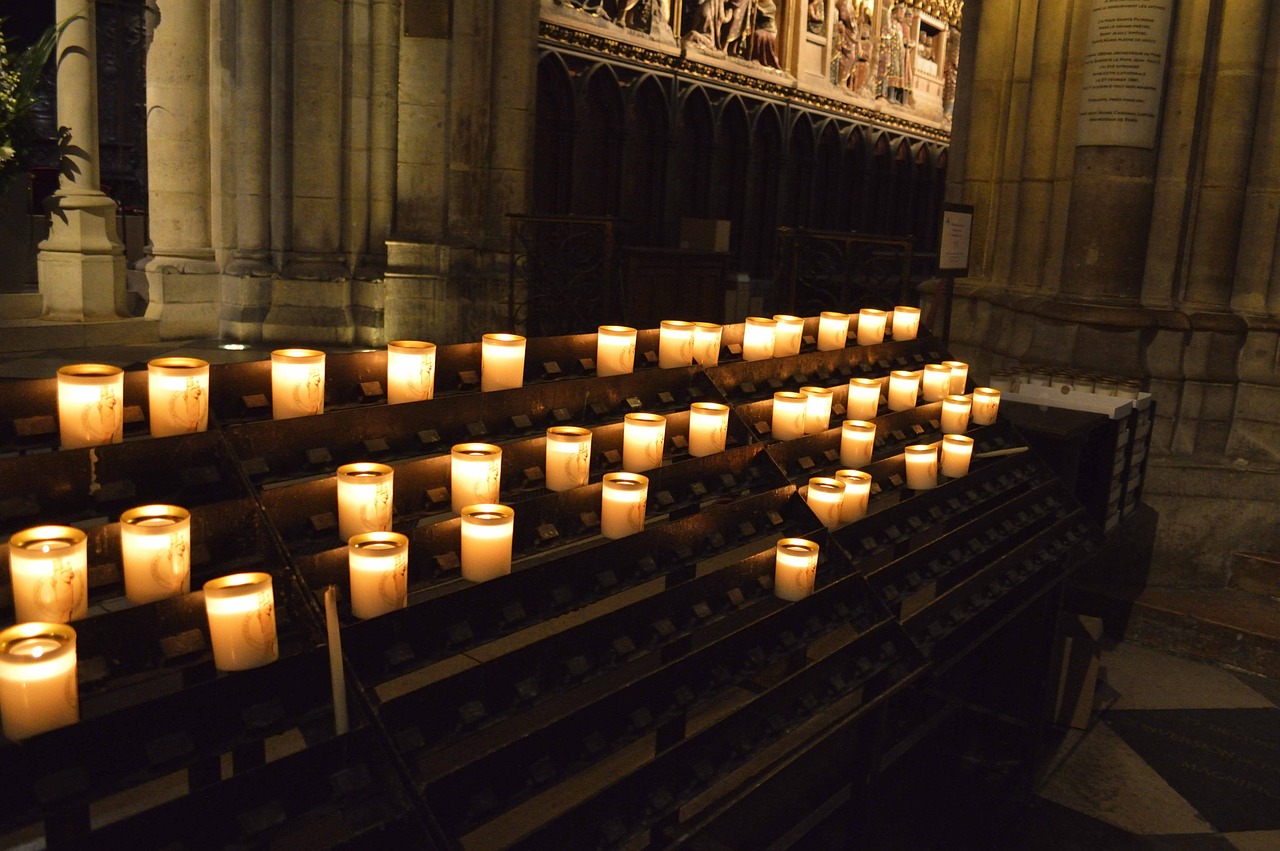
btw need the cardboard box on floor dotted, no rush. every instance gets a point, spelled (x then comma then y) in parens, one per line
(705, 234)
(1078, 656)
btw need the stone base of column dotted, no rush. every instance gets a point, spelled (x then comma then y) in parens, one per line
(246, 299)
(183, 294)
(309, 311)
(442, 294)
(81, 265)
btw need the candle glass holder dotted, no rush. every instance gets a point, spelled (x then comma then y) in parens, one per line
(487, 531)
(957, 450)
(378, 567)
(90, 405)
(871, 324)
(643, 439)
(411, 371)
(297, 383)
(568, 457)
(241, 609)
(475, 474)
(708, 428)
(789, 415)
(857, 494)
(706, 343)
(795, 568)
(675, 343)
(366, 494)
(757, 338)
(177, 395)
(615, 350)
(787, 335)
(906, 322)
(922, 466)
(155, 548)
(38, 689)
(904, 386)
(986, 405)
(48, 574)
(825, 497)
(864, 398)
(833, 331)
(955, 414)
(501, 362)
(857, 442)
(817, 409)
(623, 500)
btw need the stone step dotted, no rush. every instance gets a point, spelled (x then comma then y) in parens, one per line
(26, 335)
(1257, 573)
(1225, 626)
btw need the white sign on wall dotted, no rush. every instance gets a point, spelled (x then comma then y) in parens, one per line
(1123, 79)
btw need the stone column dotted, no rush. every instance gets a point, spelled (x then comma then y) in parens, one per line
(1256, 265)
(81, 265)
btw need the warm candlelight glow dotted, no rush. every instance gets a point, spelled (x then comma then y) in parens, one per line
(242, 621)
(365, 498)
(90, 405)
(568, 457)
(959, 375)
(48, 573)
(903, 387)
(906, 322)
(706, 343)
(857, 442)
(378, 564)
(708, 428)
(501, 361)
(411, 371)
(623, 499)
(936, 383)
(871, 326)
(789, 411)
(643, 439)
(922, 466)
(615, 350)
(825, 497)
(177, 395)
(38, 689)
(675, 343)
(955, 414)
(957, 450)
(757, 338)
(795, 567)
(297, 383)
(475, 474)
(986, 405)
(787, 335)
(155, 547)
(864, 398)
(833, 330)
(857, 494)
(487, 530)
(817, 409)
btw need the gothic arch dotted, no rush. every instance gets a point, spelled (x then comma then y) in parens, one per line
(697, 143)
(644, 177)
(797, 182)
(598, 145)
(553, 138)
(828, 163)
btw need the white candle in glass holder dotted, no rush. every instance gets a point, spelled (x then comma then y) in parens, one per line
(475, 474)
(936, 382)
(871, 326)
(817, 409)
(833, 330)
(487, 530)
(789, 415)
(623, 500)
(411, 371)
(825, 497)
(757, 338)
(242, 621)
(795, 567)
(38, 689)
(155, 549)
(366, 493)
(378, 565)
(906, 322)
(787, 335)
(568, 457)
(297, 383)
(90, 405)
(959, 375)
(706, 343)
(49, 575)
(986, 405)
(864, 398)
(177, 395)
(922, 466)
(615, 350)
(708, 428)
(857, 442)
(957, 450)
(904, 385)
(643, 439)
(857, 494)
(955, 414)
(501, 361)
(675, 343)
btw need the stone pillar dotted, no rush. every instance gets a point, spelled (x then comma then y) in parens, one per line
(81, 265)
(1260, 231)
(181, 272)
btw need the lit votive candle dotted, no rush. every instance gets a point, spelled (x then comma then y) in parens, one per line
(708, 428)
(825, 498)
(936, 383)
(817, 409)
(411, 371)
(365, 497)
(795, 567)
(864, 398)
(38, 689)
(986, 405)
(90, 405)
(787, 334)
(789, 415)
(155, 547)
(922, 466)
(487, 530)
(957, 450)
(501, 361)
(675, 343)
(857, 494)
(857, 442)
(906, 322)
(475, 474)
(297, 383)
(833, 330)
(378, 564)
(706, 343)
(178, 395)
(568, 457)
(904, 385)
(871, 326)
(615, 350)
(757, 338)
(959, 375)
(242, 621)
(643, 438)
(623, 499)
(955, 414)
(48, 572)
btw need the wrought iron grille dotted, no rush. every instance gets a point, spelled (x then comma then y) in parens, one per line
(820, 270)
(561, 276)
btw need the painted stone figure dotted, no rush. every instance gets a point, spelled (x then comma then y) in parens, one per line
(764, 38)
